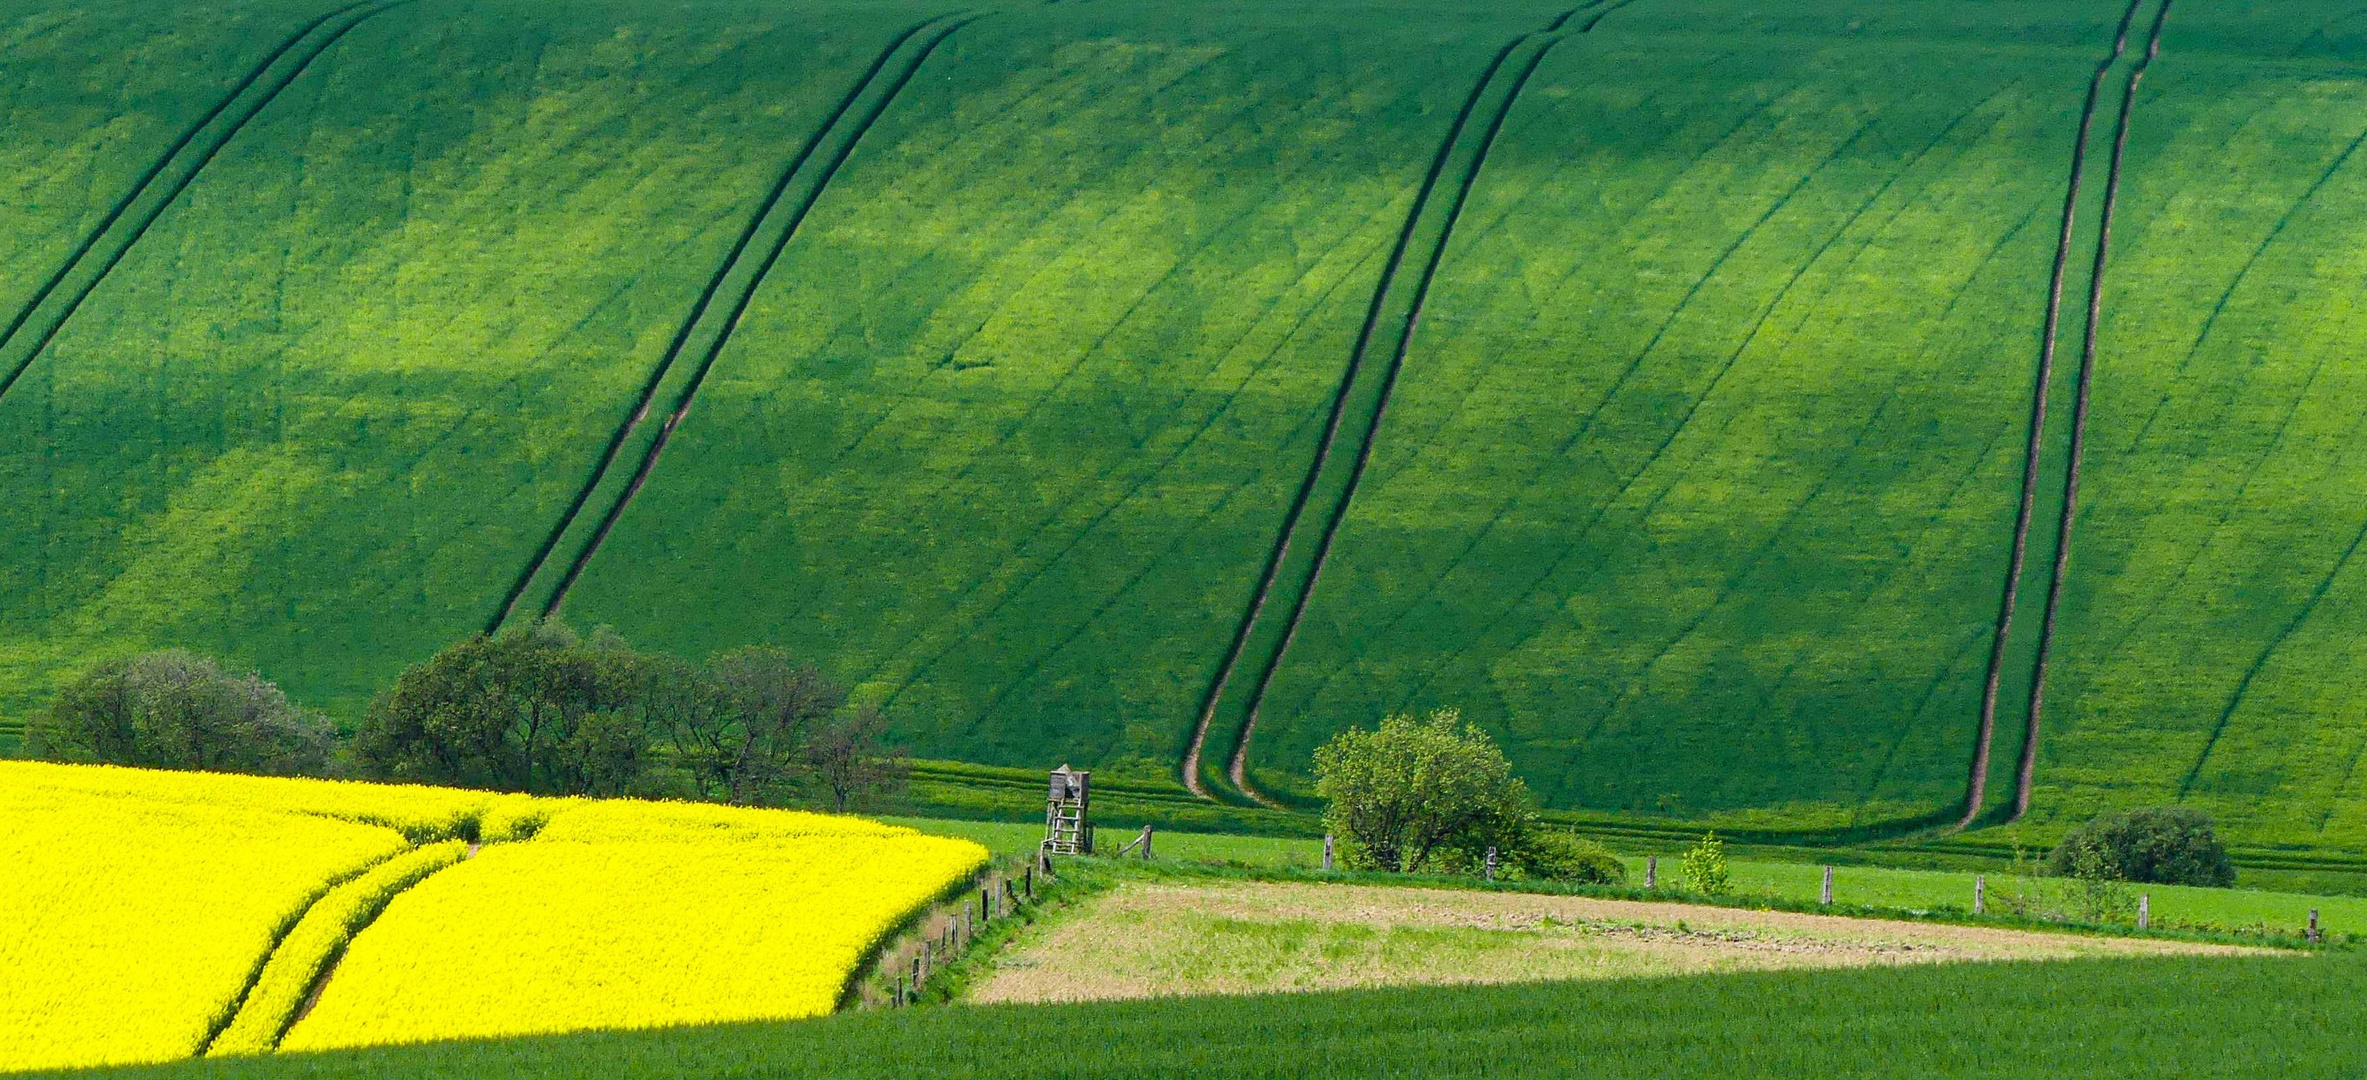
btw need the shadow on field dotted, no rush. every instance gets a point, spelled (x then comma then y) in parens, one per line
(2087, 1018)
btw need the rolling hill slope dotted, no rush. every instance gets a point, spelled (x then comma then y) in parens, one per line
(370, 351)
(1657, 380)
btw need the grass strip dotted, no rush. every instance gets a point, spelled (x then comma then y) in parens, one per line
(306, 955)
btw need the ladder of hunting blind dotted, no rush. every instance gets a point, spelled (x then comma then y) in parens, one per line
(1068, 823)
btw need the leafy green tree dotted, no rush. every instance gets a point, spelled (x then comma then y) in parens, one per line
(1417, 787)
(176, 709)
(2170, 845)
(534, 709)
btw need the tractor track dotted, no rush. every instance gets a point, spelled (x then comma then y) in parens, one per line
(1976, 788)
(2026, 771)
(1542, 42)
(160, 185)
(719, 330)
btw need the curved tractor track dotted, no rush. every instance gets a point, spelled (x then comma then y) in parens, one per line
(546, 579)
(38, 321)
(2036, 454)
(1296, 561)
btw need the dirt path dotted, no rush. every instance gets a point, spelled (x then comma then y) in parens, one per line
(1151, 940)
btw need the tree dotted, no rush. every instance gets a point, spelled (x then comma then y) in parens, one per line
(176, 709)
(534, 709)
(741, 734)
(1416, 787)
(851, 760)
(2171, 845)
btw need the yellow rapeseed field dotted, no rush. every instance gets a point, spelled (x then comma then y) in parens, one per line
(423, 814)
(141, 912)
(132, 925)
(694, 915)
(316, 940)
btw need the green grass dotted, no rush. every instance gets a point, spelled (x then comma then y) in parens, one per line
(1794, 881)
(2283, 1017)
(1696, 486)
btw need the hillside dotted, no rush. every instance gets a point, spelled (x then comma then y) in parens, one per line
(1672, 385)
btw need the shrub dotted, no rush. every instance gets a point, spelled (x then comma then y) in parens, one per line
(1554, 855)
(1705, 867)
(175, 709)
(2172, 845)
(1417, 788)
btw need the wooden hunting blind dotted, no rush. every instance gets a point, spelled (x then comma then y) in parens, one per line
(1068, 813)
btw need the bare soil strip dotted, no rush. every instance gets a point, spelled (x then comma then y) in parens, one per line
(1161, 940)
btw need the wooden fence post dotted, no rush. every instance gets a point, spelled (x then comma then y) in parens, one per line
(1826, 897)
(1327, 853)
(1146, 841)
(1651, 871)
(1980, 894)
(1031, 881)
(2313, 926)
(2144, 910)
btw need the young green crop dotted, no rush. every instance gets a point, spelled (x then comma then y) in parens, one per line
(2089, 1019)
(333, 400)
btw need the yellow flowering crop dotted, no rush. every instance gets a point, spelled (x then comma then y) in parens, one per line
(315, 941)
(143, 911)
(129, 926)
(423, 814)
(701, 915)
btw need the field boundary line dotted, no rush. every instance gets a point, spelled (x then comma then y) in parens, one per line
(2026, 772)
(698, 310)
(132, 232)
(1339, 403)
(1977, 786)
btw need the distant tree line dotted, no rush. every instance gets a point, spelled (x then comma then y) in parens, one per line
(537, 709)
